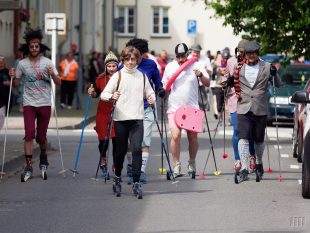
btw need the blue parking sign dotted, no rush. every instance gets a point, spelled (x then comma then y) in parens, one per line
(192, 27)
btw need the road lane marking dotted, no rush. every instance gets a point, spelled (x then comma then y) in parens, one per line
(299, 181)
(293, 166)
(285, 155)
(276, 147)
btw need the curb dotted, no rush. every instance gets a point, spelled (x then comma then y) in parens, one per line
(79, 125)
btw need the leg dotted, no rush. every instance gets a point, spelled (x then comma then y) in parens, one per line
(63, 90)
(29, 113)
(192, 148)
(71, 91)
(121, 141)
(147, 134)
(259, 137)
(135, 138)
(2, 116)
(235, 137)
(43, 119)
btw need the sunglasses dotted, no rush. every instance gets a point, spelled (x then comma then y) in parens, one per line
(35, 46)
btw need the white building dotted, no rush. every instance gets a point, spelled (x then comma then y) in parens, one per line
(164, 23)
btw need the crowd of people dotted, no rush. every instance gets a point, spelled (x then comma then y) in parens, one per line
(127, 88)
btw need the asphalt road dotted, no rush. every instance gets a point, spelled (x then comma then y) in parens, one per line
(215, 204)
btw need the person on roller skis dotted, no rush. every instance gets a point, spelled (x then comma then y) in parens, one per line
(128, 87)
(104, 111)
(37, 73)
(183, 91)
(231, 100)
(251, 80)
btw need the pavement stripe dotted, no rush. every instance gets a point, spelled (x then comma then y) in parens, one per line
(299, 181)
(285, 155)
(276, 146)
(293, 166)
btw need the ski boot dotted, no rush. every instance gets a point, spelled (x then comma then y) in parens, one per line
(137, 190)
(129, 174)
(27, 173)
(143, 178)
(252, 164)
(259, 171)
(104, 172)
(117, 188)
(242, 176)
(191, 169)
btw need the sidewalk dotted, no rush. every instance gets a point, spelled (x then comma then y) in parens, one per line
(67, 120)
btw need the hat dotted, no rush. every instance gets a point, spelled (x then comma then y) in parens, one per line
(196, 47)
(181, 49)
(110, 58)
(225, 52)
(241, 44)
(251, 46)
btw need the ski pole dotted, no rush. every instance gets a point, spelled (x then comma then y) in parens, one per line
(277, 128)
(161, 169)
(6, 128)
(164, 147)
(217, 172)
(268, 154)
(77, 156)
(58, 137)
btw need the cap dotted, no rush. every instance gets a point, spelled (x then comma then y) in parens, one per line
(251, 46)
(110, 58)
(196, 47)
(181, 49)
(241, 44)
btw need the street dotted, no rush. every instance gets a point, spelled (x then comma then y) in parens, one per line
(215, 204)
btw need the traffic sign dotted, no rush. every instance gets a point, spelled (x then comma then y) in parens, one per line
(192, 27)
(55, 21)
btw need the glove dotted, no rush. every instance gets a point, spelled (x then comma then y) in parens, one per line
(161, 92)
(273, 70)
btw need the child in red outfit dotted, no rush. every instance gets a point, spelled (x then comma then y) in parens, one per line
(104, 111)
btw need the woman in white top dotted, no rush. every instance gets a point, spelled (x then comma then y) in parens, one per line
(128, 87)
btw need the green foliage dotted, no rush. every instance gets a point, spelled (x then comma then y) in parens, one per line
(279, 25)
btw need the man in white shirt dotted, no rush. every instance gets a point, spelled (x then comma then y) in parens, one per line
(184, 91)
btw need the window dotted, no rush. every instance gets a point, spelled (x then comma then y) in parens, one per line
(126, 20)
(160, 21)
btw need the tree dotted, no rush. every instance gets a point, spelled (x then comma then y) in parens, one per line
(279, 25)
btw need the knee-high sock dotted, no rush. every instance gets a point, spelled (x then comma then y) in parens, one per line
(259, 151)
(243, 147)
(145, 157)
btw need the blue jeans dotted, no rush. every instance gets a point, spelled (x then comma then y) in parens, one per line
(235, 137)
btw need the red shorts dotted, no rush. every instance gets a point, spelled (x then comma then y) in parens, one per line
(42, 115)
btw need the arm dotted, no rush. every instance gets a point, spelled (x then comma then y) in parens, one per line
(53, 73)
(149, 92)
(274, 75)
(110, 88)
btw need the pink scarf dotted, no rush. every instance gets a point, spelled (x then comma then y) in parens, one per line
(182, 67)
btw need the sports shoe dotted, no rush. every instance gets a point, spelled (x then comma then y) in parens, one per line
(177, 169)
(137, 190)
(191, 167)
(242, 176)
(252, 163)
(117, 188)
(237, 166)
(259, 171)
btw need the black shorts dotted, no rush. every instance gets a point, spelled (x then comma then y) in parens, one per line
(252, 127)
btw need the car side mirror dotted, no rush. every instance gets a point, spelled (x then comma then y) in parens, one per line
(300, 97)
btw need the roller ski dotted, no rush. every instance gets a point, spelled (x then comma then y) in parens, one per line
(241, 176)
(117, 188)
(191, 169)
(137, 190)
(43, 165)
(259, 171)
(27, 173)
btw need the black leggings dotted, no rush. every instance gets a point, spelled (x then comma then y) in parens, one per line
(67, 92)
(132, 130)
(103, 147)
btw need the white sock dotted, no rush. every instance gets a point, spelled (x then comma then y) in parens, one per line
(145, 157)
(129, 158)
(243, 147)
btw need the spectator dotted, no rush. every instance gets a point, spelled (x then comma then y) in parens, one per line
(68, 73)
(4, 89)
(162, 60)
(210, 56)
(93, 71)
